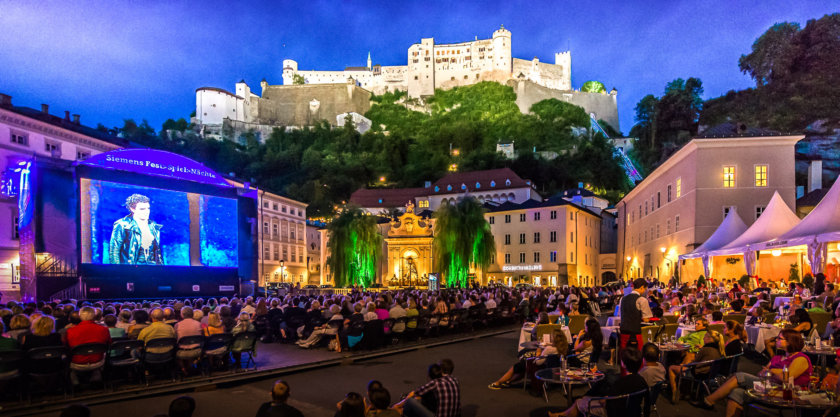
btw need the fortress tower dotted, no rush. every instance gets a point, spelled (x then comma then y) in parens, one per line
(502, 50)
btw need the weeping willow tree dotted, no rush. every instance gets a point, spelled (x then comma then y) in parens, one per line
(355, 246)
(462, 239)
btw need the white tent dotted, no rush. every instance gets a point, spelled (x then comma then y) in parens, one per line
(776, 220)
(820, 226)
(730, 228)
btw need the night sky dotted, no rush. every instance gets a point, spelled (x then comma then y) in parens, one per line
(112, 60)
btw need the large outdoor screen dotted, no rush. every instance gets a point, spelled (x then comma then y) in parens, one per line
(124, 224)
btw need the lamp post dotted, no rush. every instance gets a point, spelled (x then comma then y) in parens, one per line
(283, 270)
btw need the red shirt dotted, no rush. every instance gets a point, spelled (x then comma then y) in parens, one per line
(87, 332)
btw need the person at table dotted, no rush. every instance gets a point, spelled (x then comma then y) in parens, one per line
(589, 344)
(798, 364)
(562, 313)
(713, 348)
(632, 314)
(802, 322)
(559, 346)
(802, 290)
(652, 370)
(542, 318)
(688, 314)
(695, 338)
(735, 336)
(631, 360)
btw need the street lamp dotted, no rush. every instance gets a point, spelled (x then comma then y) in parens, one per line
(282, 272)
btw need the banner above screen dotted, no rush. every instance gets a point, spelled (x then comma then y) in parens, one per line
(157, 163)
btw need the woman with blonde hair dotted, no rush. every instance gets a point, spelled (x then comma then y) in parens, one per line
(243, 325)
(18, 326)
(43, 334)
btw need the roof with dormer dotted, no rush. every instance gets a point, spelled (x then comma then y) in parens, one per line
(478, 181)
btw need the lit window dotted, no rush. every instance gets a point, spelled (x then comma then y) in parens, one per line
(423, 203)
(729, 176)
(679, 188)
(761, 175)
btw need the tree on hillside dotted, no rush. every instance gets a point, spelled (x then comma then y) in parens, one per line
(355, 245)
(462, 240)
(772, 54)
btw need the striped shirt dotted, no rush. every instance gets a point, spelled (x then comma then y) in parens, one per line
(448, 393)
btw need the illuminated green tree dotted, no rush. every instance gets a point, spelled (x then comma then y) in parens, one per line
(462, 239)
(355, 245)
(593, 87)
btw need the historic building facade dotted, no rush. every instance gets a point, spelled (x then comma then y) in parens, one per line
(27, 133)
(681, 203)
(282, 240)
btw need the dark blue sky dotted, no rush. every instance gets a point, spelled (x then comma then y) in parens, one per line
(112, 60)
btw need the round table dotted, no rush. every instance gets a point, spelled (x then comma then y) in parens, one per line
(818, 401)
(822, 353)
(758, 334)
(572, 376)
(665, 349)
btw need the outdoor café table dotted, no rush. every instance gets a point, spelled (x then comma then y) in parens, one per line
(572, 376)
(812, 403)
(532, 345)
(822, 353)
(667, 349)
(756, 335)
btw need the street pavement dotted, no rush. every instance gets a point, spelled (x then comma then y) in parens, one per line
(316, 392)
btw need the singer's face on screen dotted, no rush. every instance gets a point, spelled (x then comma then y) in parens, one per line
(141, 211)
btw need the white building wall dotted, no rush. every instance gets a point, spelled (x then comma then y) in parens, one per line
(212, 105)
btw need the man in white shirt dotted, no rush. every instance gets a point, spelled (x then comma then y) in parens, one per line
(491, 302)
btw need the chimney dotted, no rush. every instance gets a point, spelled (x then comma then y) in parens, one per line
(76, 119)
(5, 100)
(45, 108)
(815, 175)
(66, 115)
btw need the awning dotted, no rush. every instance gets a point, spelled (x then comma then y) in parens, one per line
(730, 228)
(776, 220)
(820, 225)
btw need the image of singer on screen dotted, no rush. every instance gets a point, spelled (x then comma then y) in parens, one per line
(135, 239)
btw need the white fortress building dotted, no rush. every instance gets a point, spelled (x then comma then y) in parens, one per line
(430, 66)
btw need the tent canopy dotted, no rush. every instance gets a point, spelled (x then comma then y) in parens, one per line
(730, 228)
(822, 224)
(776, 219)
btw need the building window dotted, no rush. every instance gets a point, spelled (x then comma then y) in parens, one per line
(294, 252)
(729, 176)
(492, 220)
(423, 203)
(552, 237)
(571, 215)
(758, 211)
(507, 218)
(572, 237)
(522, 238)
(646, 207)
(552, 257)
(761, 175)
(657, 230)
(265, 228)
(274, 206)
(265, 204)
(507, 258)
(658, 199)
(292, 236)
(668, 194)
(536, 257)
(652, 206)
(16, 228)
(677, 223)
(522, 257)
(20, 139)
(276, 252)
(507, 239)
(537, 216)
(679, 188)
(632, 217)
(492, 258)
(522, 217)
(726, 210)
(81, 154)
(285, 252)
(645, 235)
(571, 257)
(274, 230)
(267, 252)
(553, 214)
(651, 233)
(668, 227)
(537, 237)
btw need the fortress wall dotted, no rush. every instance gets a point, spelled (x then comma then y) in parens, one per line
(603, 105)
(289, 105)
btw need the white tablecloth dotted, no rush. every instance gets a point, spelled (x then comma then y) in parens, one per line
(613, 321)
(525, 334)
(757, 335)
(684, 329)
(781, 300)
(607, 331)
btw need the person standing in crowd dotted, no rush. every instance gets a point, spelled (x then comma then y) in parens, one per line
(278, 406)
(630, 328)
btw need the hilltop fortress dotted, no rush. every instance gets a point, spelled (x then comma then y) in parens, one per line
(326, 94)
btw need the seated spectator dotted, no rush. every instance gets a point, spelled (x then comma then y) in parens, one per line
(589, 344)
(428, 400)
(396, 312)
(735, 336)
(380, 403)
(188, 326)
(214, 325)
(141, 321)
(18, 325)
(652, 371)
(124, 320)
(717, 317)
(111, 322)
(243, 325)
(87, 332)
(352, 405)
(157, 330)
(713, 348)
(447, 390)
(7, 343)
(324, 330)
(277, 407)
(559, 346)
(631, 360)
(183, 406)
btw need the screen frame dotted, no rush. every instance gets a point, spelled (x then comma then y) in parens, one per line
(130, 178)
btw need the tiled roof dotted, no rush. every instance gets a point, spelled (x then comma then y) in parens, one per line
(812, 199)
(583, 192)
(220, 90)
(530, 204)
(478, 181)
(735, 130)
(385, 197)
(67, 124)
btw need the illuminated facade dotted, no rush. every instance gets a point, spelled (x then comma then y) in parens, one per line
(552, 242)
(282, 240)
(681, 203)
(407, 254)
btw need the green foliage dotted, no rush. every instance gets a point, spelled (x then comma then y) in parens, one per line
(611, 131)
(793, 273)
(298, 79)
(593, 87)
(355, 246)
(462, 239)
(701, 281)
(797, 76)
